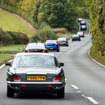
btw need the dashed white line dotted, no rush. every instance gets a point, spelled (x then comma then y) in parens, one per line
(84, 96)
(75, 87)
(79, 91)
(92, 100)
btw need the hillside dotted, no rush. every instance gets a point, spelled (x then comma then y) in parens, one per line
(13, 22)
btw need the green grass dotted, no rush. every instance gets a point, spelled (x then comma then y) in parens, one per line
(10, 22)
(5, 57)
(96, 56)
(68, 36)
(7, 52)
(12, 49)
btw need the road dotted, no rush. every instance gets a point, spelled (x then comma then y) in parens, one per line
(85, 79)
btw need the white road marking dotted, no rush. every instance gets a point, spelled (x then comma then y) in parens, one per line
(92, 100)
(75, 87)
(2, 66)
(94, 60)
(79, 91)
(84, 96)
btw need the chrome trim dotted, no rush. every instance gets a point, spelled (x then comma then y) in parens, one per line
(8, 82)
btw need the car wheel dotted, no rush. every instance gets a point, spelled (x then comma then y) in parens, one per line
(58, 50)
(61, 93)
(10, 92)
(79, 39)
(67, 45)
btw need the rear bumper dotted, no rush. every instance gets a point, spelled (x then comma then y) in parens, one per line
(52, 47)
(35, 86)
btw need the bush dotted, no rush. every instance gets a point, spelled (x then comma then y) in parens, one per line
(60, 30)
(44, 34)
(19, 38)
(13, 38)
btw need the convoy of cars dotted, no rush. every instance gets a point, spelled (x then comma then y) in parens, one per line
(36, 70)
(82, 28)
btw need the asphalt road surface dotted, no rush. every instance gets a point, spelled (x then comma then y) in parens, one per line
(85, 79)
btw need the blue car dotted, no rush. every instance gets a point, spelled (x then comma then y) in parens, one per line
(52, 45)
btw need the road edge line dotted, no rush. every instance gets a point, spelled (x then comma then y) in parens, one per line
(95, 60)
(4, 64)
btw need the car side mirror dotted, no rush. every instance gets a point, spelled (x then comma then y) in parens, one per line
(61, 64)
(8, 64)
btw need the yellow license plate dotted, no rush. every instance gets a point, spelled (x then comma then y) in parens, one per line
(61, 43)
(36, 77)
(51, 48)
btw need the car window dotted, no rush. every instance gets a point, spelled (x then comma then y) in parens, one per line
(61, 39)
(51, 41)
(34, 60)
(35, 46)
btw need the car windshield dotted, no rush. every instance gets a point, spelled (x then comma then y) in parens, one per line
(51, 41)
(75, 35)
(36, 46)
(61, 39)
(34, 61)
(80, 33)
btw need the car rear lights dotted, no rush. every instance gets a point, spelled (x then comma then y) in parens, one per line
(16, 78)
(49, 85)
(44, 50)
(66, 41)
(27, 50)
(45, 44)
(56, 79)
(56, 44)
(23, 85)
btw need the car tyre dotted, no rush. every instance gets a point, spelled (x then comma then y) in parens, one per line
(61, 93)
(10, 92)
(58, 50)
(67, 45)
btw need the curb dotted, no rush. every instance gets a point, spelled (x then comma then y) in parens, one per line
(4, 64)
(94, 60)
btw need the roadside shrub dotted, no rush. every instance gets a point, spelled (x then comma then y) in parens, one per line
(60, 30)
(19, 38)
(44, 34)
(13, 38)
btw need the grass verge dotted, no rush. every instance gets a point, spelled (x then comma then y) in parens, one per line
(11, 49)
(5, 57)
(6, 52)
(96, 56)
(9, 22)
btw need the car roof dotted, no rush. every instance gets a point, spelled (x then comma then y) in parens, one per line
(80, 19)
(79, 32)
(35, 45)
(61, 39)
(75, 35)
(48, 54)
(51, 41)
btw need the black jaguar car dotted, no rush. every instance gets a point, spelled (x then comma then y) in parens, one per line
(35, 72)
